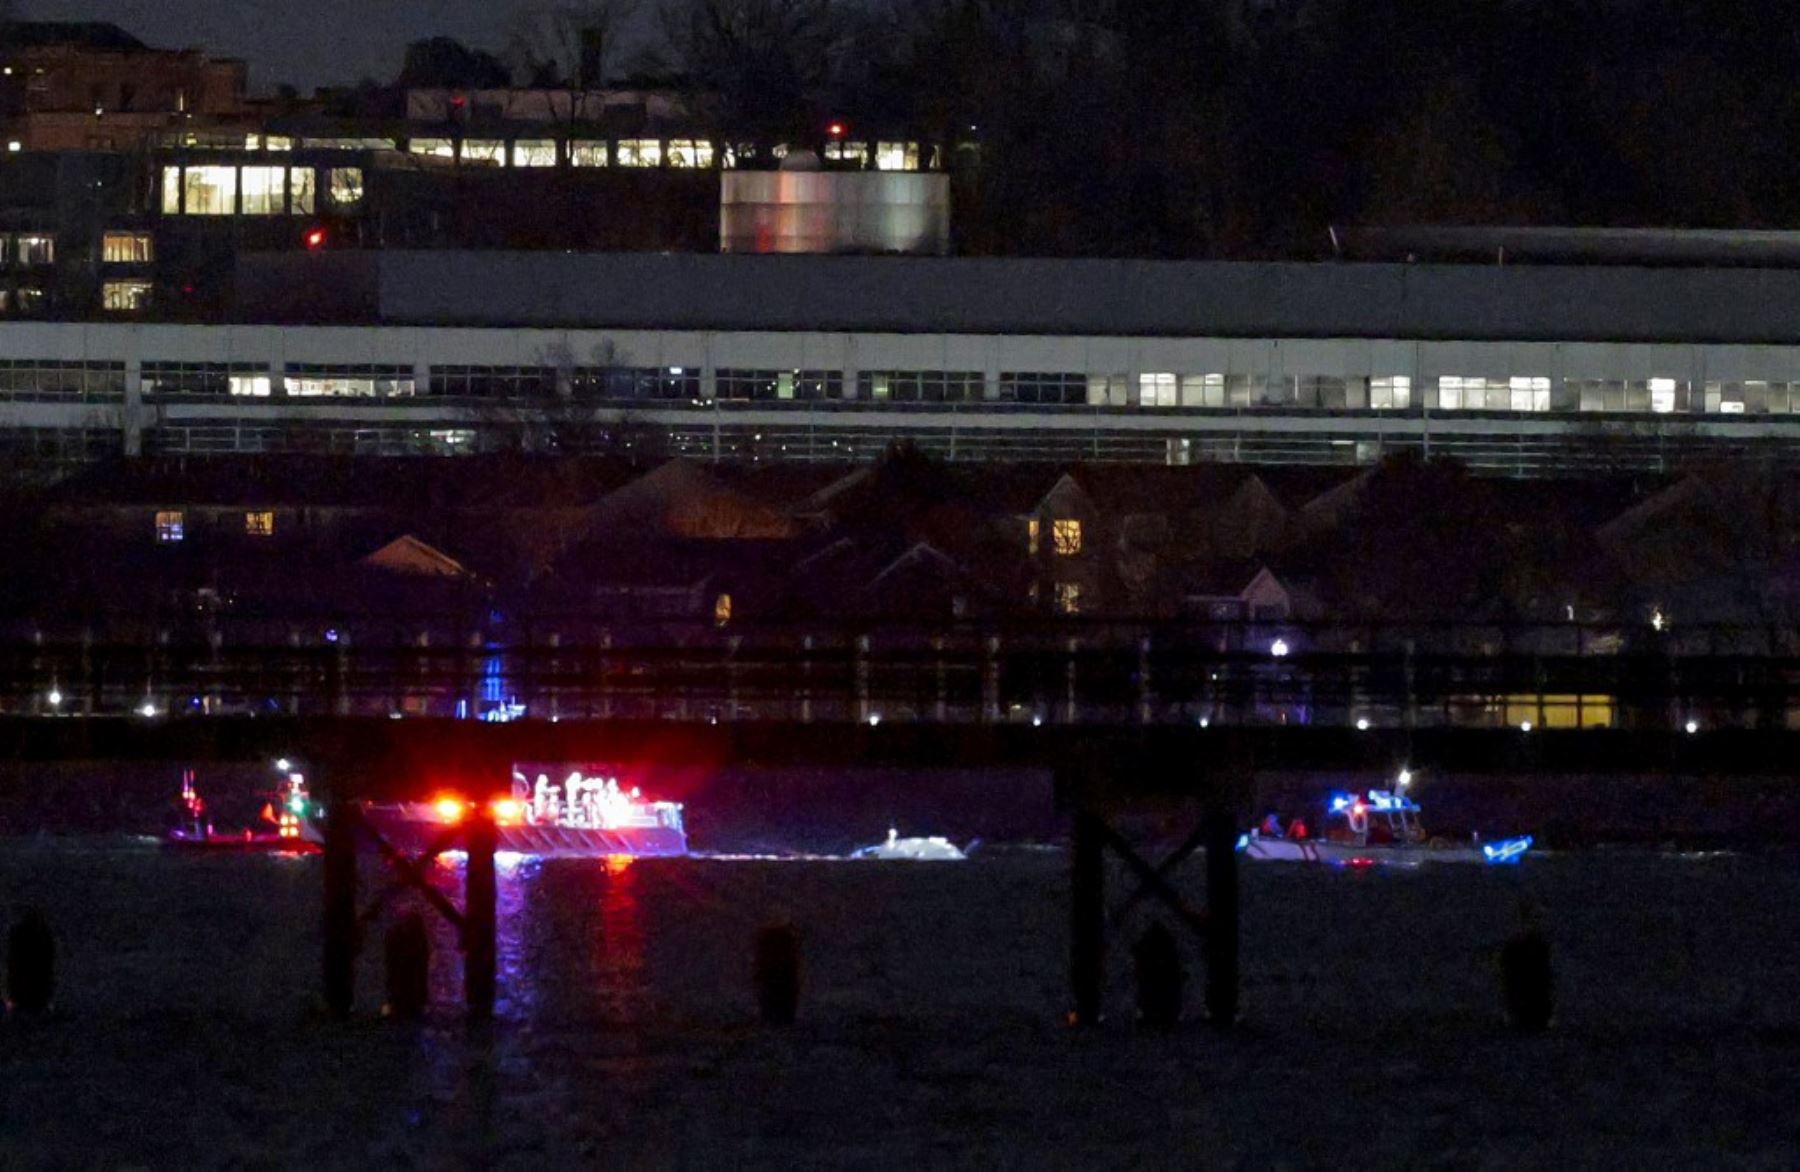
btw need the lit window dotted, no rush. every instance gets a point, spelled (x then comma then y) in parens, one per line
(437, 148)
(171, 191)
(346, 186)
(452, 439)
(169, 527)
(209, 191)
(484, 150)
(125, 296)
(534, 152)
(1156, 390)
(1068, 597)
(1392, 393)
(1662, 395)
(254, 386)
(640, 152)
(1065, 535)
(1031, 537)
(1529, 394)
(1106, 390)
(1202, 390)
(126, 248)
(265, 190)
(300, 190)
(897, 156)
(721, 610)
(587, 154)
(847, 152)
(261, 524)
(36, 250)
(690, 152)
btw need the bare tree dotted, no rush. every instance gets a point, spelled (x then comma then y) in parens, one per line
(762, 63)
(571, 46)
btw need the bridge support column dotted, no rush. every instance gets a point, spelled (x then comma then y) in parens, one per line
(806, 671)
(1221, 914)
(990, 680)
(1087, 919)
(1071, 706)
(480, 896)
(341, 820)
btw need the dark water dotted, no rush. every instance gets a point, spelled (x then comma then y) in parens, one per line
(930, 1031)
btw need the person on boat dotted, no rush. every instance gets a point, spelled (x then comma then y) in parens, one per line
(1271, 826)
(1297, 829)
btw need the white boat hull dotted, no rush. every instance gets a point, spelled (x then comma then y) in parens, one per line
(1349, 854)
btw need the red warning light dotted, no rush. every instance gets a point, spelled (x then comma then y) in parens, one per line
(836, 130)
(315, 238)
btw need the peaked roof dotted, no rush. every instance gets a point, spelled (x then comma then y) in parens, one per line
(86, 34)
(406, 554)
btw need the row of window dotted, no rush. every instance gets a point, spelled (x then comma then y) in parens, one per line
(27, 249)
(171, 525)
(43, 378)
(623, 152)
(1523, 394)
(683, 153)
(223, 189)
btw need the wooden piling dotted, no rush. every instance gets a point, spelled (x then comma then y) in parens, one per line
(1087, 924)
(1222, 914)
(479, 956)
(341, 819)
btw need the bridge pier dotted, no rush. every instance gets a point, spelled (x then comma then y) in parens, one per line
(479, 908)
(1096, 798)
(341, 820)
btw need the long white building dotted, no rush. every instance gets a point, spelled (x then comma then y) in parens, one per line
(1516, 370)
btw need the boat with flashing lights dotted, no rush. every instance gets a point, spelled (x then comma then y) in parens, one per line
(933, 849)
(581, 816)
(1379, 828)
(284, 827)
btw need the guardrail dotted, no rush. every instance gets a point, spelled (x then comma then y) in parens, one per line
(559, 668)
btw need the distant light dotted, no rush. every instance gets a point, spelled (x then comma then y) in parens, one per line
(448, 809)
(55, 697)
(1657, 620)
(283, 764)
(14, 144)
(675, 370)
(1037, 721)
(835, 130)
(147, 709)
(331, 634)
(315, 238)
(874, 719)
(1278, 648)
(1206, 722)
(1524, 726)
(1405, 778)
(1693, 726)
(396, 716)
(508, 811)
(1362, 724)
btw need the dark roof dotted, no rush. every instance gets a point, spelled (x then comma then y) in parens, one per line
(1189, 299)
(86, 34)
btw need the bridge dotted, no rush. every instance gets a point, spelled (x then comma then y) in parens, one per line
(560, 668)
(1120, 715)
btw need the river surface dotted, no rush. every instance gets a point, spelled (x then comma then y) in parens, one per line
(931, 1032)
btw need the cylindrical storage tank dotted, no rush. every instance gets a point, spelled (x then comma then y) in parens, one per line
(834, 212)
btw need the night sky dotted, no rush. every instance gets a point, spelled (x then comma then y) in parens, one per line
(308, 43)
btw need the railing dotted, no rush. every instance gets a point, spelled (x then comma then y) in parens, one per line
(1236, 673)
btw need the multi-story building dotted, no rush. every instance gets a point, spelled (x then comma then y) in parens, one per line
(95, 87)
(1515, 370)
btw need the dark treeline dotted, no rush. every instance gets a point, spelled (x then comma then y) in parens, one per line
(1239, 128)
